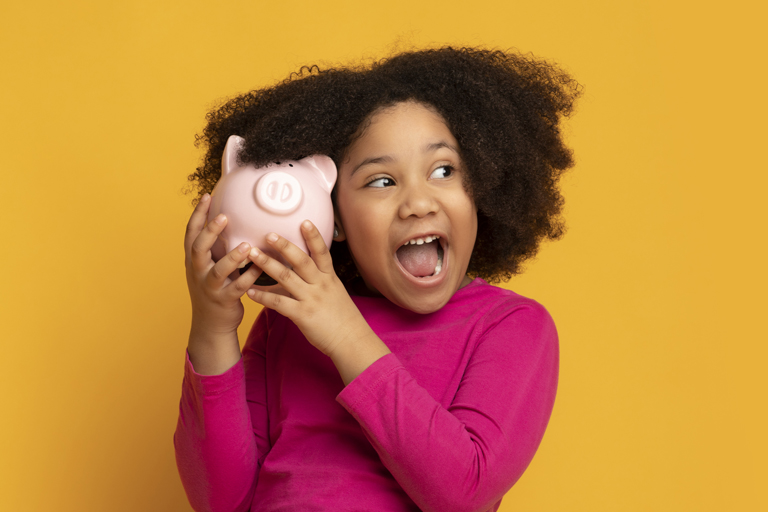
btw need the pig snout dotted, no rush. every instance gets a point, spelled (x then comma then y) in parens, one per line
(279, 192)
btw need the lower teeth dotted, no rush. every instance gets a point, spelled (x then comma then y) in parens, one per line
(439, 265)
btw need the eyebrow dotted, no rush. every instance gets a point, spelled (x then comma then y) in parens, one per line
(437, 145)
(429, 148)
(373, 160)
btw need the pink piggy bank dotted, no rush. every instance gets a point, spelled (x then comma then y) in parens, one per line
(275, 198)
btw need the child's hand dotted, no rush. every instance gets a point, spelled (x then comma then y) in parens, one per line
(216, 307)
(318, 303)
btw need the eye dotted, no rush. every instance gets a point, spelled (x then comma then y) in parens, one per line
(444, 171)
(380, 182)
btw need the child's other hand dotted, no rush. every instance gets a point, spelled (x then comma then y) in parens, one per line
(318, 303)
(216, 307)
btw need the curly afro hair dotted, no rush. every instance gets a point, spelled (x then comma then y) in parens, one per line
(503, 108)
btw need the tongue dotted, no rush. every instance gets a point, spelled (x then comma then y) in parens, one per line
(419, 260)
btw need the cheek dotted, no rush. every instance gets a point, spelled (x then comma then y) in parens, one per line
(350, 218)
(469, 227)
(465, 210)
(360, 229)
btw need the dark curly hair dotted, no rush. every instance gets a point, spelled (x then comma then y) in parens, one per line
(503, 108)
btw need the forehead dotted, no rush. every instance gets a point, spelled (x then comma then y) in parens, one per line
(401, 126)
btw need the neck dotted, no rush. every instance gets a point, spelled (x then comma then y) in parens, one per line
(357, 287)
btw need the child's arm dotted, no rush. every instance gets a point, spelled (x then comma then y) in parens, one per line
(465, 457)
(468, 455)
(216, 307)
(218, 440)
(319, 304)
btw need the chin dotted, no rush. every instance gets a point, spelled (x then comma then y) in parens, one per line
(420, 295)
(427, 310)
(422, 305)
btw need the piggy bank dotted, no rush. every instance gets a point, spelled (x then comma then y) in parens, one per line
(275, 198)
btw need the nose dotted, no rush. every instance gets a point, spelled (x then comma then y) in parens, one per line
(417, 201)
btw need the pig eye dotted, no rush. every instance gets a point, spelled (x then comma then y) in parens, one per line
(290, 165)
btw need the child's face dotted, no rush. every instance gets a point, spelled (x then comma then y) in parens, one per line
(402, 180)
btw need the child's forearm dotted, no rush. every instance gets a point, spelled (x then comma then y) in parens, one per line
(212, 353)
(217, 452)
(358, 353)
(463, 451)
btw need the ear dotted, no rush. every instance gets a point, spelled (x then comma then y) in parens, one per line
(327, 169)
(229, 158)
(337, 226)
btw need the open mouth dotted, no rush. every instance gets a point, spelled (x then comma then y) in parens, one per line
(421, 257)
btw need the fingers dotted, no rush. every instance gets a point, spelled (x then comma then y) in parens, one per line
(302, 264)
(282, 274)
(196, 221)
(239, 286)
(283, 304)
(317, 248)
(228, 264)
(201, 246)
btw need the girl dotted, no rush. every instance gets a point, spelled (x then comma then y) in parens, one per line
(388, 374)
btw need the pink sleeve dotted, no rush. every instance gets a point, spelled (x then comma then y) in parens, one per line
(465, 457)
(220, 437)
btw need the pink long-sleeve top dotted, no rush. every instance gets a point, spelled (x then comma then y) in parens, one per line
(447, 422)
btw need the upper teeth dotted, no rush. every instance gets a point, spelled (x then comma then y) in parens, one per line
(420, 241)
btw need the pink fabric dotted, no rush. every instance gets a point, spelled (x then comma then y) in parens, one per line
(448, 421)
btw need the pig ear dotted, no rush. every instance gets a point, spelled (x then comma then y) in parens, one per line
(229, 159)
(326, 167)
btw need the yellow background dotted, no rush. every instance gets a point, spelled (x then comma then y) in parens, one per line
(657, 289)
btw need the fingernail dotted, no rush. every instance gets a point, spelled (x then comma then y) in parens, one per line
(205, 197)
(273, 237)
(254, 252)
(221, 218)
(243, 247)
(307, 224)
